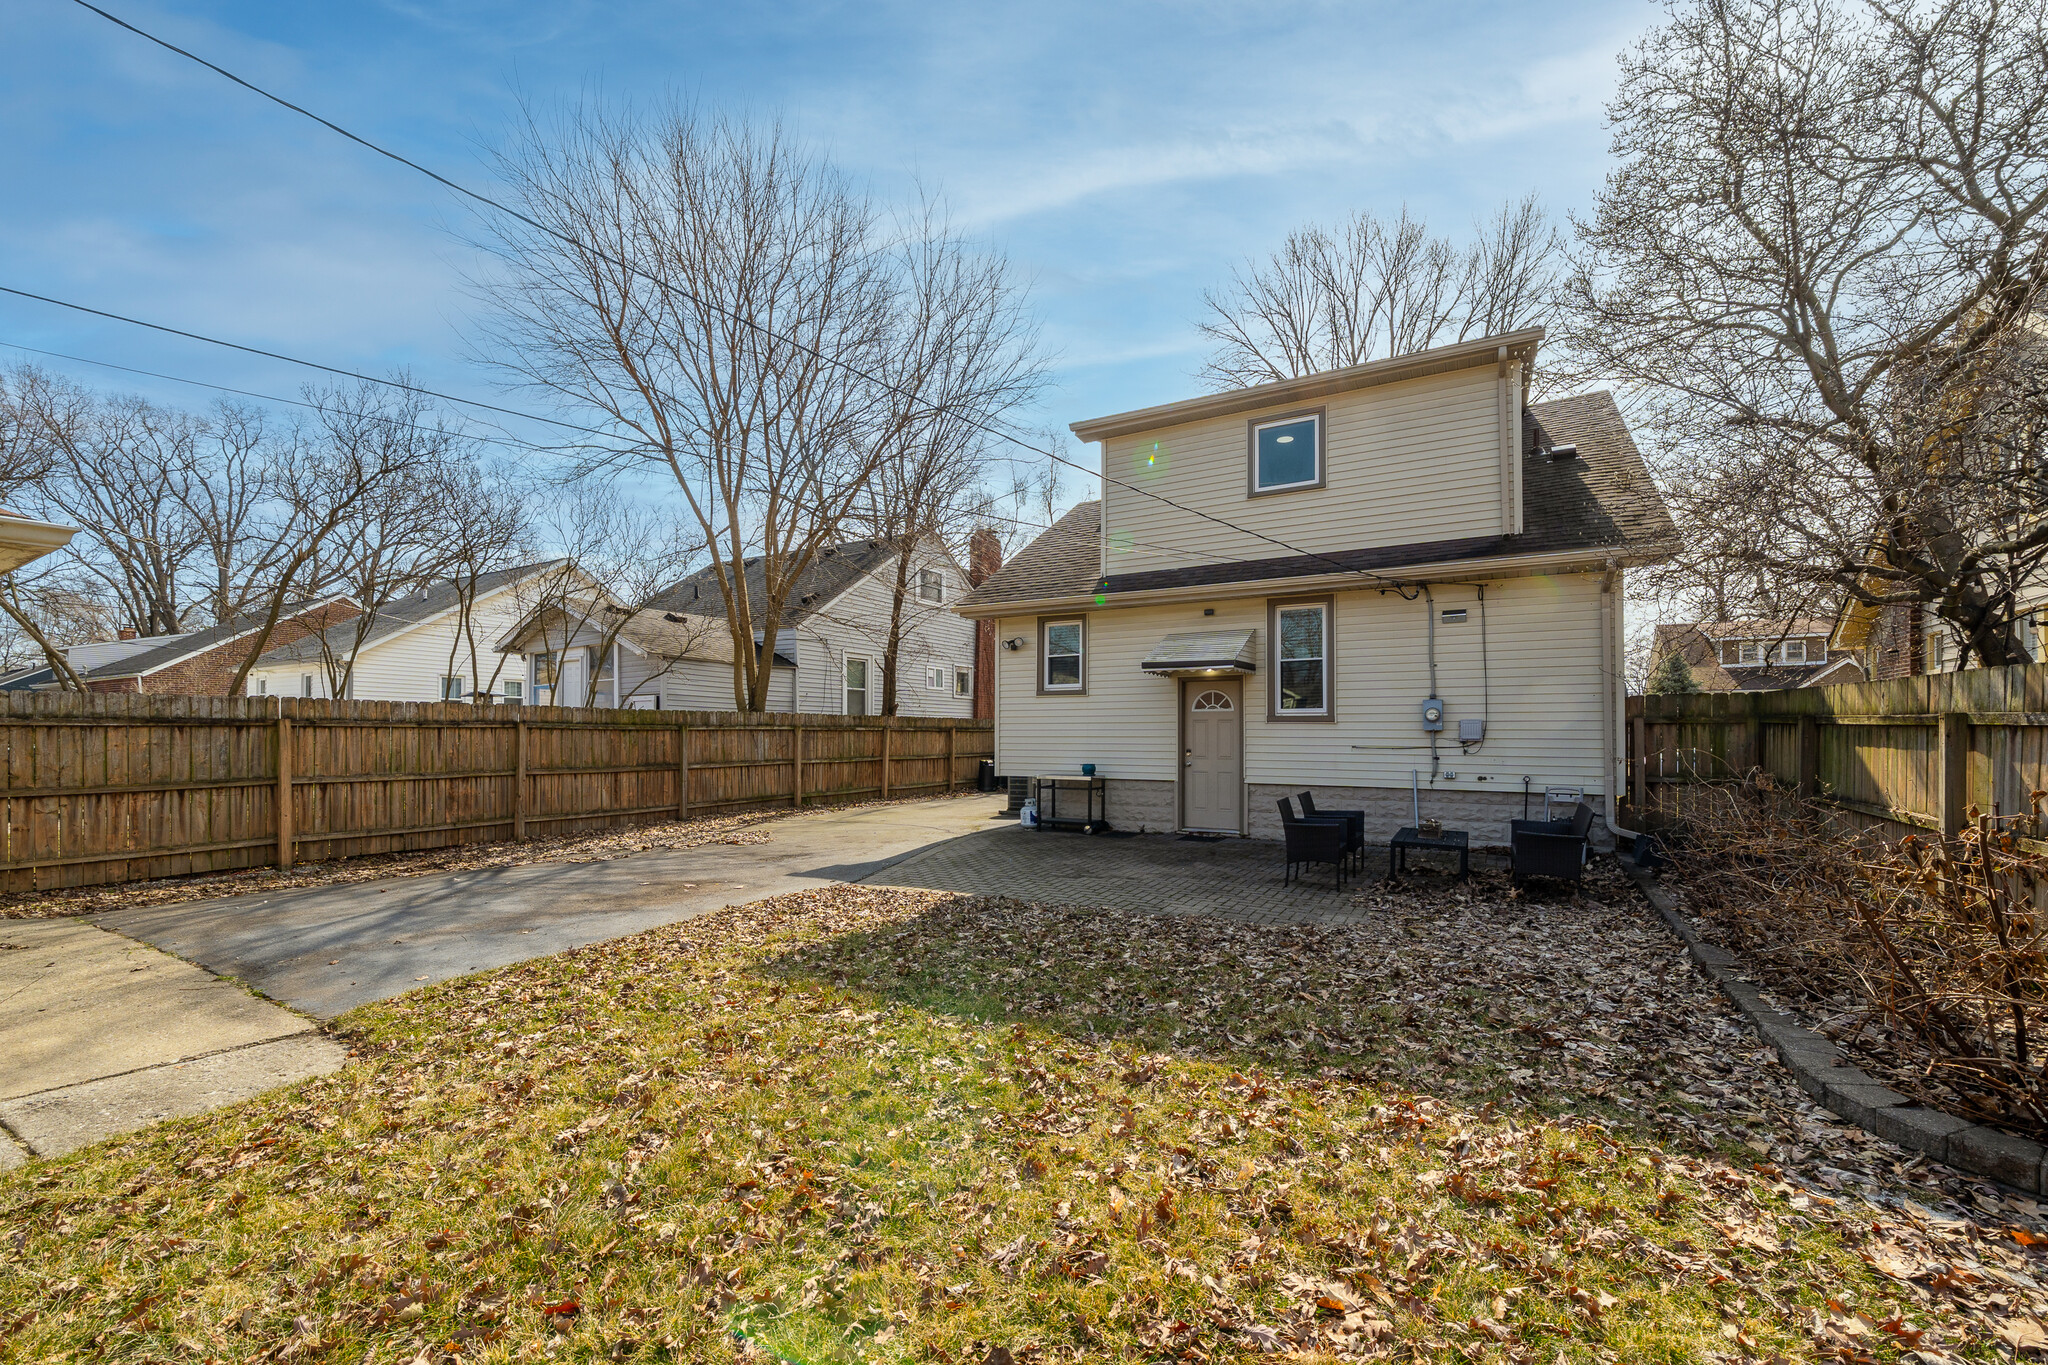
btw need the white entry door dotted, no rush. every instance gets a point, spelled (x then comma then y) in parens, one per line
(1212, 764)
(572, 680)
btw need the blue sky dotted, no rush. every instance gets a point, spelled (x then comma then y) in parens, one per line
(1124, 155)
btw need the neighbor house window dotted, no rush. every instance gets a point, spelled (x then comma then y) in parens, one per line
(1749, 653)
(260, 688)
(1065, 644)
(1792, 652)
(934, 678)
(451, 689)
(512, 691)
(856, 686)
(963, 682)
(931, 585)
(1301, 660)
(1287, 452)
(305, 684)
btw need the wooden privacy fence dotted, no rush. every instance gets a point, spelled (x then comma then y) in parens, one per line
(106, 788)
(1914, 753)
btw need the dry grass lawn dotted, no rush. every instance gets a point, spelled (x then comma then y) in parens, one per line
(866, 1124)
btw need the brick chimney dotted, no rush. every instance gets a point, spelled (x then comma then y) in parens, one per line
(129, 632)
(984, 557)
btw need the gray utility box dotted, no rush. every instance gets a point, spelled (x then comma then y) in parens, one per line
(1471, 731)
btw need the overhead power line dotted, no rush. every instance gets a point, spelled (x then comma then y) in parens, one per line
(748, 322)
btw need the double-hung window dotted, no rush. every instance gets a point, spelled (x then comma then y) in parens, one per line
(856, 686)
(1792, 652)
(451, 688)
(1064, 656)
(934, 678)
(1286, 453)
(931, 585)
(1749, 653)
(963, 682)
(512, 690)
(1301, 660)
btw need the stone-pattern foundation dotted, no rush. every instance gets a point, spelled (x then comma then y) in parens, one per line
(1151, 807)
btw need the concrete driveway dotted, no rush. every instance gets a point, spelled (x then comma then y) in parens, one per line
(325, 950)
(100, 1034)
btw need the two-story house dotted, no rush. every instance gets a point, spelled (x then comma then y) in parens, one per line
(1755, 655)
(1397, 585)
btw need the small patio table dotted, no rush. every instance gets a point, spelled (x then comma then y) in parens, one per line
(1456, 841)
(1091, 793)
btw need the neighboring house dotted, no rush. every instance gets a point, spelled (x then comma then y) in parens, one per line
(598, 652)
(1285, 581)
(420, 647)
(1904, 639)
(197, 663)
(836, 628)
(1756, 655)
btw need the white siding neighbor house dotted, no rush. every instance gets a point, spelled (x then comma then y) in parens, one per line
(594, 651)
(1393, 585)
(421, 647)
(835, 629)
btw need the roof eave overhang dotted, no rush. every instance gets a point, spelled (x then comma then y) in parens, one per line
(23, 539)
(1445, 571)
(1521, 347)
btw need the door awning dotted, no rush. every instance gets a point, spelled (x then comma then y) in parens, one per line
(1203, 651)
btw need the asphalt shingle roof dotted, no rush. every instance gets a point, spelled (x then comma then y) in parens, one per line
(831, 572)
(400, 613)
(1602, 499)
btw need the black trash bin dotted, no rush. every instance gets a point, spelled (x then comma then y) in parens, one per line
(985, 775)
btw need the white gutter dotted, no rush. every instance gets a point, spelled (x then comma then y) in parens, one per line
(23, 539)
(1442, 571)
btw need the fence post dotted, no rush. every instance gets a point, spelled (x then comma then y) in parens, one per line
(1954, 796)
(952, 758)
(519, 778)
(796, 756)
(682, 772)
(285, 840)
(1809, 757)
(886, 734)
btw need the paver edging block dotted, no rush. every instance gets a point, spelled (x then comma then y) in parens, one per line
(1854, 1094)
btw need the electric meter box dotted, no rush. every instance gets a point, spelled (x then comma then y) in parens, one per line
(1433, 715)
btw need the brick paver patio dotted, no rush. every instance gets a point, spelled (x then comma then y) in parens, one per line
(1235, 879)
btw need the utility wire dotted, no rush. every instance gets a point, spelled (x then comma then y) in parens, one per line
(855, 370)
(509, 441)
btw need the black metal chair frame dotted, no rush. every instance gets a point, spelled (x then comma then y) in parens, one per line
(1323, 840)
(1354, 825)
(1556, 849)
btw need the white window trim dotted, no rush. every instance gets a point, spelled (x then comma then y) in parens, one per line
(1315, 479)
(938, 593)
(460, 692)
(1749, 654)
(1045, 630)
(1280, 609)
(867, 677)
(963, 682)
(1785, 652)
(934, 678)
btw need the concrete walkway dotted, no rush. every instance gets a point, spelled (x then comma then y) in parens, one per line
(100, 1034)
(327, 949)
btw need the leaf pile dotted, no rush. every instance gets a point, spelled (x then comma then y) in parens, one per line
(876, 1124)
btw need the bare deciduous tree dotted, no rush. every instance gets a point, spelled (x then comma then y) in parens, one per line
(1816, 274)
(963, 359)
(711, 295)
(1328, 299)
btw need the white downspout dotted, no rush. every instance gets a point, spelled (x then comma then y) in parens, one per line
(1614, 700)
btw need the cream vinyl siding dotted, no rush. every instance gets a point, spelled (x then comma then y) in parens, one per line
(706, 685)
(1407, 462)
(1544, 722)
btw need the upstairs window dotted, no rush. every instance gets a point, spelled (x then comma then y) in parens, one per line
(1287, 453)
(931, 585)
(963, 682)
(1749, 652)
(934, 678)
(1064, 646)
(1792, 652)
